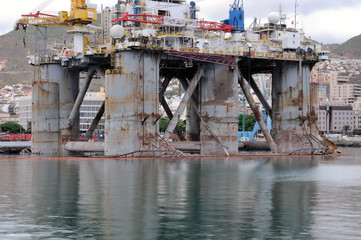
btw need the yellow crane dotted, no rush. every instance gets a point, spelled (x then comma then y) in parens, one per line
(80, 14)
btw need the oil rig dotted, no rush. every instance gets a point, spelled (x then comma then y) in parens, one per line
(140, 46)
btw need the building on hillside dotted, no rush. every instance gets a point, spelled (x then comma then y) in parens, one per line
(357, 115)
(88, 110)
(7, 117)
(333, 119)
(342, 88)
(25, 110)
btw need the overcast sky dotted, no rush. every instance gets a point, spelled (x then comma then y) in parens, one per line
(328, 21)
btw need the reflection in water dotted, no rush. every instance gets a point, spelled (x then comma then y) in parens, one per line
(299, 198)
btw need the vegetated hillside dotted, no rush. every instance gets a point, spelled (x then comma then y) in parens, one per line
(349, 49)
(332, 47)
(15, 68)
(14, 50)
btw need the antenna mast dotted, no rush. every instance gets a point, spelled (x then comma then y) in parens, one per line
(296, 5)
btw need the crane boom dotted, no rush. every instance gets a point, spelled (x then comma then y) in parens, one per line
(42, 6)
(162, 20)
(80, 14)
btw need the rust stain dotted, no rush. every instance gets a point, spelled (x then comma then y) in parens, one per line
(300, 96)
(299, 99)
(209, 138)
(206, 117)
(156, 117)
(331, 147)
(144, 116)
(257, 114)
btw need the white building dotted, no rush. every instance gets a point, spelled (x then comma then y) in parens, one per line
(343, 89)
(89, 109)
(25, 115)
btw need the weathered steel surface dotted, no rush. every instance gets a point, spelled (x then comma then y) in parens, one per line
(14, 147)
(187, 96)
(294, 109)
(68, 92)
(45, 121)
(53, 99)
(254, 146)
(219, 110)
(132, 102)
(84, 146)
(247, 92)
(189, 146)
(192, 121)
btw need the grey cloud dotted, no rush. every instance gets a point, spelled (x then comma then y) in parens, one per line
(217, 10)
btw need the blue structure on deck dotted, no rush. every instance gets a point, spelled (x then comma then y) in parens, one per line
(193, 10)
(137, 10)
(249, 135)
(236, 16)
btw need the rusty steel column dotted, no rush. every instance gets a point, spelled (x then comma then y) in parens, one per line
(187, 96)
(294, 110)
(260, 96)
(46, 134)
(192, 120)
(219, 110)
(79, 100)
(131, 102)
(51, 132)
(68, 92)
(45, 118)
(247, 92)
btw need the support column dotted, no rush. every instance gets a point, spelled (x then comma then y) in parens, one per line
(192, 119)
(132, 102)
(219, 110)
(53, 99)
(79, 100)
(192, 123)
(68, 92)
(186, 98)
(293, 109)
(45, 118)
(247, 92)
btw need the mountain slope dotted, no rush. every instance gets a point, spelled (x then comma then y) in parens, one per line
(349, 49)
(14, 49)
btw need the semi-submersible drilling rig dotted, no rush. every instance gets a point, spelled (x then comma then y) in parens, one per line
(140, 46)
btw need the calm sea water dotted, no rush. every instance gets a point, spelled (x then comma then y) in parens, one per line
(278, 198)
